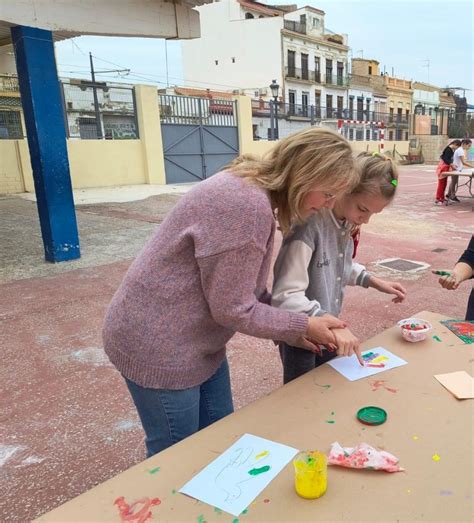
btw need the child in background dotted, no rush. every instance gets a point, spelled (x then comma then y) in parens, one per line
(445, 165)
(315, 262)
(459, 161)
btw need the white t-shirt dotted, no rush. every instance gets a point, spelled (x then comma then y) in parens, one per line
(458, 155)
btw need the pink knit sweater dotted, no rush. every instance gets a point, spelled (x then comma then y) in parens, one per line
(201, 278)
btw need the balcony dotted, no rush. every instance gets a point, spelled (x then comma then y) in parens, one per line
(315, 77)
(296, 27)
(336, 80)
(297, 73)
(9, 84)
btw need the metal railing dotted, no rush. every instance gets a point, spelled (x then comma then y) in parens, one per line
(112, 118)
(10, 125)
(190, 110)
(9, 84)
(296, 27)
(299, 73)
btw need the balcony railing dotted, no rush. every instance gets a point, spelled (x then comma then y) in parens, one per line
(296, 27)
(298, 73)
(9, 84)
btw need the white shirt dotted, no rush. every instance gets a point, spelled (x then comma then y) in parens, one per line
(457, 159)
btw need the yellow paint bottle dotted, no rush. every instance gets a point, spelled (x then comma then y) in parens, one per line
(311, 475)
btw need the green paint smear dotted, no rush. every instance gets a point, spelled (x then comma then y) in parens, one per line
(235, 520)
(154, 471)
(261, 470)
(217, 510)
(330, 421)
(201, 519)
(436, 338)
(245, 511)
(323, 386)
(173, 491)
(332, 413)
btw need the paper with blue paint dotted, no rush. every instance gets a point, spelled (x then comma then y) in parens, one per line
(233, 480)
(351, 369)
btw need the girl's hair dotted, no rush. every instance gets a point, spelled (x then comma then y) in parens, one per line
(455, 142)
(313, 159)
(378, 175)
(466, 141)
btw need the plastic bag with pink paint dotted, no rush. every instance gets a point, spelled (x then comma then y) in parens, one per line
(363, 457)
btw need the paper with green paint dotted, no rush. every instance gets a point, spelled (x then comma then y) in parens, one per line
(233, 480)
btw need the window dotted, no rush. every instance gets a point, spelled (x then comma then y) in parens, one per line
(216, 62)
(360, 108)
(340, 73)
(304, 66)
(399, 115)
(367, 134)
(249, 16)
(351, 107)
(390, 117)
(292, 102)
(317, 69)
(340, 106)
(291, 63)
(329, 71)
(315, 22)
(10, 125)
(370, 69)
(367, 109)
(317, 103)
(304, 103)
(233, 59)
(390, 135)
(329, 105)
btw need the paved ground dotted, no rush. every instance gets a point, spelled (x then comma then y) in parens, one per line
(66, 421)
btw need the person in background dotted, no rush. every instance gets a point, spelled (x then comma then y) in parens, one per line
(462, 271)
(445, 165)
(459, 161)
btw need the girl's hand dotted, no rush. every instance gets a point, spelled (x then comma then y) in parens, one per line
(390, 287)
(305, 343)
(347, 344)
(320, 329)
(449, 281)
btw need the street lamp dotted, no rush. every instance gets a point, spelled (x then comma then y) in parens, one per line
(274, 87)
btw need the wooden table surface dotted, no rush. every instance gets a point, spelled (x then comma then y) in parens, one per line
(424, 420)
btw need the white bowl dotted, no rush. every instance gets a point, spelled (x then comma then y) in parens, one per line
(410, 329)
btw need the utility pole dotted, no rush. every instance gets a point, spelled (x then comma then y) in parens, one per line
(96, 101)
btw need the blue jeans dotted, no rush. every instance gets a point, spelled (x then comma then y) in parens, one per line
(168, 416)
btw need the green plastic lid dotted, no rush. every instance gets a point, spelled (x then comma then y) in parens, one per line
(372, 415)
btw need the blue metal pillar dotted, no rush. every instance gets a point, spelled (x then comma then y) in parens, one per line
(42, 107)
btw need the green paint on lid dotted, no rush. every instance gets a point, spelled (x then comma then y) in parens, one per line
(245, 511)
(201, 519)
(217, 510)
(173, 491)
(154, 471)
(437, 338)
(372, 415)
(330, 421)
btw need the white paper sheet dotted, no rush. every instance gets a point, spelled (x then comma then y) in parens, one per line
(233, 480)
(351, 369)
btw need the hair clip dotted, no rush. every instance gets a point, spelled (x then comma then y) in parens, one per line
(394, 182)
(376, 153)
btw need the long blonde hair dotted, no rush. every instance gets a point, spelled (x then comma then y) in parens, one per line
(316, 158)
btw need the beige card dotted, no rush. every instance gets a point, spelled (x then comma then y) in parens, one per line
(458, 383)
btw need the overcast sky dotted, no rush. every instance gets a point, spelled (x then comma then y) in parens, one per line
(400, 34)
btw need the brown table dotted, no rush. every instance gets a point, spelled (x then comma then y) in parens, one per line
(424, 420)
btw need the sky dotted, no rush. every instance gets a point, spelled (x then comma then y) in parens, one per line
(424, 40)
